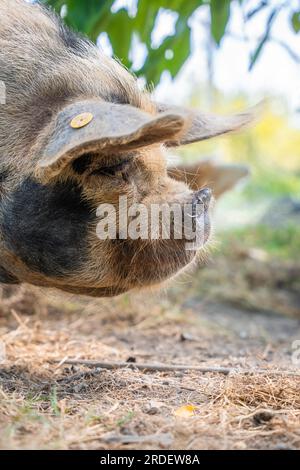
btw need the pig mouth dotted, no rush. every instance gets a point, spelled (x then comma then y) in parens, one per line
(148, 263)
(166, 263)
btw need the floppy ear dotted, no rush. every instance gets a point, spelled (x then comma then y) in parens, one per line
(205, 126)
(95, 126)
(219, 177)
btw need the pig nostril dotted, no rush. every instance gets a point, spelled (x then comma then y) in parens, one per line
(203, 196)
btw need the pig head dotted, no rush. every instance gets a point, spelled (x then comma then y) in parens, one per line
(77, 132)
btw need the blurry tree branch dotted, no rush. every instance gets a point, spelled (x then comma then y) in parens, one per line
(288, 49)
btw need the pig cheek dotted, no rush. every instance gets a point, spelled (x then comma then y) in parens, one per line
(46, 227)
(109, 190)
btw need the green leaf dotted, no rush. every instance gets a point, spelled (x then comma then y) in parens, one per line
(120, 35)
(296, 21)
(145, 19)
(181, 52)
(90, 17)
(56, 4)
(220, 13)
(178, 44)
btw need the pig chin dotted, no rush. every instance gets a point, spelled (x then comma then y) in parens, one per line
(156, 262)
(139, 263)
(143, 263)
(154, 273)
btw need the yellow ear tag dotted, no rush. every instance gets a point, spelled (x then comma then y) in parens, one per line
(81, 120)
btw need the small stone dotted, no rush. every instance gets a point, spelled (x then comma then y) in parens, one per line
(262, 417)
(131, 359)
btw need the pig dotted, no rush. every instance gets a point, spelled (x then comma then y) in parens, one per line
(76, 131)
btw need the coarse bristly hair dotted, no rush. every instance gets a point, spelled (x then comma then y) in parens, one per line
(52, 178)
(44, 64)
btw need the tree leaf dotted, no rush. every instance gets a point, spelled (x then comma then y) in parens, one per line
(296, 21)
(220, 13)
(88, 17)
(120, 35)
(178, 45)
(145, 19)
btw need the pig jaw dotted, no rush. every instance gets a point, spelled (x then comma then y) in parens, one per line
(136, 264)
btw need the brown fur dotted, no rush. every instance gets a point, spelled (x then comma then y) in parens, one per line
(43, 75)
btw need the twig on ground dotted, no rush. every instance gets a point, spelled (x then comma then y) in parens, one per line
(79, 375)
(173, 367)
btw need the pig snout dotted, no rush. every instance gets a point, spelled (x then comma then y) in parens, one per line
(201, 203)
(203, 197)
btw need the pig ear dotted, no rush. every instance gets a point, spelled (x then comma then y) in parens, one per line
(204, 125)
(95, 126)
(217, 176)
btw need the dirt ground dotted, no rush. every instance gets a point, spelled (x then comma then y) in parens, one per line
(240, 312)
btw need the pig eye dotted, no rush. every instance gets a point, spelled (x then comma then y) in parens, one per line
(112, 170)
(82, 163)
